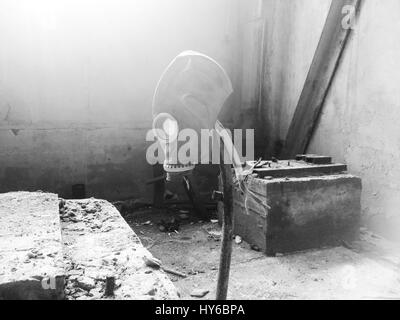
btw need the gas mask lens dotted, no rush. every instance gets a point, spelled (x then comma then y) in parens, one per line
(165, 127)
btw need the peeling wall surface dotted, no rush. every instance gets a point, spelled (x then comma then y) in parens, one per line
(359, 123)
(76, 84)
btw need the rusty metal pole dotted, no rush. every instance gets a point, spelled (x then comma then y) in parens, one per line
(227, 229)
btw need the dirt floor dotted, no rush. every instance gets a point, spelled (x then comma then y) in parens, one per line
(366, 269)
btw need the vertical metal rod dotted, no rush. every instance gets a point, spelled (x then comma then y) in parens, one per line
(198, 205)
(227, 230)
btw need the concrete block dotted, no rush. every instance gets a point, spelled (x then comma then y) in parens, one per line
(305, 212)
(31, 265)
(101, 248)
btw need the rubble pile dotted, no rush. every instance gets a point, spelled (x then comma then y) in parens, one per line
(104, 257)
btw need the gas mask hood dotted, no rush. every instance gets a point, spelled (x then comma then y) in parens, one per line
(189, 95)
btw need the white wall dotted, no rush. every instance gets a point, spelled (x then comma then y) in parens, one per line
(360, 122)
(77, 79)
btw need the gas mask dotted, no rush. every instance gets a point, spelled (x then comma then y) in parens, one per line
(189, 95)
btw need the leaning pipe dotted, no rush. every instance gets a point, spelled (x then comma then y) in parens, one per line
(227, 232)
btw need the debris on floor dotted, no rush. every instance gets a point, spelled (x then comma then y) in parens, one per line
(130, 206)
(199, 293)
(152, 262)
(169, 226)
(370, 269)
(102, 258)
(238, 239)
(105, 258)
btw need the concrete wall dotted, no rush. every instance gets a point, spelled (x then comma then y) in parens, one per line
(359, 124)
(77, 78)
(292, 32)
(76, 84)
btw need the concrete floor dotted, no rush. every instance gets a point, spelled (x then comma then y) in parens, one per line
(366, 269)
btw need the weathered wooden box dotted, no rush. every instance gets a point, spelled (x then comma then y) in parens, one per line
(310, 206)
